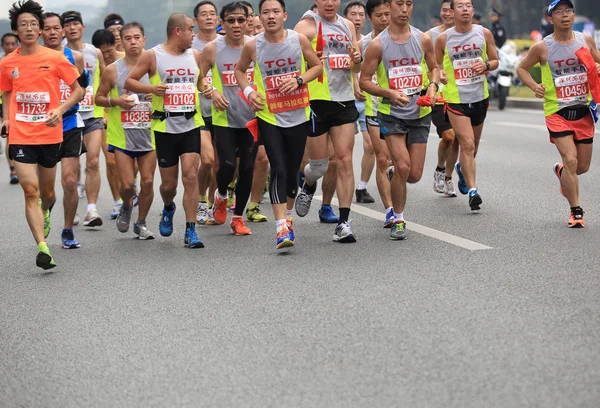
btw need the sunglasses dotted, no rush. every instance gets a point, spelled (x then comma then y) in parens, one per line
(239, 20)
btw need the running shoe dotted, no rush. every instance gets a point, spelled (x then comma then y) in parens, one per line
(449, 188)
(254, 215)
(43, 259)
(343, 233)
(165, 227)
(398, 232)
(462, 184)
(124, 218)
(116, 210)
(81, 190)
(438, 181)
(92, 219)
(363, 196)
(211, 216)
(231, 197)
(290, 227)
(68, 239)
(304, 200)
(327, 216)
(140, 229)
(202, 213)
(191, 240)
(238, 227)
(390, 173)
(558, 171)
(389, 219)
(475, 200)
(576, 218)
(220, 209)
(76, 219)
(284, 240)
(14, 179)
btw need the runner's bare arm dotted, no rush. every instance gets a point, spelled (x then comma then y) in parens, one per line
(202, 83)
(79, 62)
(432, 66)
(145, 65)
(369, 67)
(533, 57)
(54, 116)
(492, 52)
(207, 61)
(315, 67)
(440, 49)
(307, 27)
(354, 50)
(107, 82)
(101, 63)
(593, 50)
(247, 56)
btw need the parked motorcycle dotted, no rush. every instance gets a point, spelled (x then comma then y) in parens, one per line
(501, 79)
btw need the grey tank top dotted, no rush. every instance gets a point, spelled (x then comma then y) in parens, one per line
(276, 62)
(136, 121)
(463, 49)
(204, 103)
(337, 38)
(435, 33)
(239, 112)
(366, 40)
(569, 75)
(90, 60)
(404, 69)
(180, 73)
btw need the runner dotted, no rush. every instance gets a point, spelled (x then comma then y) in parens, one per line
(378, 12)
(404, 60)
(104, 40)
(30, 80)
(251, 17)
(91, 114)
(129, 135)
(10, 42)
(207, 19)
(333, 108)
(356, 11)
(281, 103)
(113, 23)
(565, 90)
(448, 146)
(72, 127)
(172, 68)
(230, 115)
(466, 52)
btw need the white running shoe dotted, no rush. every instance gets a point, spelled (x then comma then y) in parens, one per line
(449, 188)
(142, 231)
(438, 181)
(343, 233)
(76, 220)
(81, 190)
(202, 213)
(92, 219)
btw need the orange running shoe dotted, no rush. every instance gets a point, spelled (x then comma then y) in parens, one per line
(558, 171)
(238, 227)
(220, 210)
(576, 219)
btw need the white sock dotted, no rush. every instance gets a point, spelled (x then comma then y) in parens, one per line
(91, 207)
(387, 210)
(236, 216)
(472, 189)
(399, 217)
(221, 196)
(117, 202)
(362, 185)
(288, 214)
(280, 224)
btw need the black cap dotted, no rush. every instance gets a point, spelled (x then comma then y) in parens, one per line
(494, 12)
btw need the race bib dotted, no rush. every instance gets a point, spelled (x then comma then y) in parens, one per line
(180, 98)
(87, 104)
(65, 92)
(339, 61)
(209, 78)
(137, 117)
(408, 79)
(572, 88)
(463, 74)
(278, 102)
(228, 77)
(32, 106)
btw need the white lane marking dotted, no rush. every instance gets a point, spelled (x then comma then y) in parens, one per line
(414, 227)
(528, 126)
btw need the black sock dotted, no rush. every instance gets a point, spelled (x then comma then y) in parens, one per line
(447, 178)
(190, 225)
(573, 209)
(344, 214)
(310, 189)
(170, 207)
(438, 168)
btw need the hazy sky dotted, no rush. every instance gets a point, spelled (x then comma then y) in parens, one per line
(5, 4)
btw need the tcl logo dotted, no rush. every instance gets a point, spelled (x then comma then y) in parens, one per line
(466, 47)
(282, 62)
(88, 65)
(338, 37)
(229, 67)
(569, 62)
(180, 72)
(404, 61)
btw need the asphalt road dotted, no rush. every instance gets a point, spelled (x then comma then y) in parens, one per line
(499, 308)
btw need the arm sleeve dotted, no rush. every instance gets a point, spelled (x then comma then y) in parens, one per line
(66, 71)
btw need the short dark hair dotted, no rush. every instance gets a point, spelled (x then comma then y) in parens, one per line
(260, 4)
(448, 1)
(130, 25)
(72, 13)
(51, 14)
(313, 7)
(103, 37)
(23, 7)
(111, 18)
(372, 5)
(5, 36)
(354, 4)
(247, 4)
(204, 3)
(231, 7)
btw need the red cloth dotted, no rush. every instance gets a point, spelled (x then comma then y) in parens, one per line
(586, 58)
(253, 128)
(424, 101)
(320, 46)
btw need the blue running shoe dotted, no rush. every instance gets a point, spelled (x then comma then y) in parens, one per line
(475, 200)
(462, 184)
(283, 239)
(327, 216)
(166, 222)
(290, 226)
(389, 219)
(191, 240)
(68, 239)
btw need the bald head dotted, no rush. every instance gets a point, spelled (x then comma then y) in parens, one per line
(177, 20)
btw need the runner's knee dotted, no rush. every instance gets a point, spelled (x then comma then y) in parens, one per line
(315, 169)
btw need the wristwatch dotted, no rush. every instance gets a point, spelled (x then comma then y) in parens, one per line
(437, 87)
(487, 66)
(299, 80)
